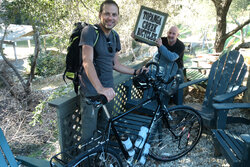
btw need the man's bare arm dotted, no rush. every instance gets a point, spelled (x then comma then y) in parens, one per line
(124, 69)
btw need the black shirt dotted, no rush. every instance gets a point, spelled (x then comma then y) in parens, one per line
(178, 48)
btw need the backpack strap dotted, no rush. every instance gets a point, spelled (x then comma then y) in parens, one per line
(114, 34)
(97, 33)
(96, 27)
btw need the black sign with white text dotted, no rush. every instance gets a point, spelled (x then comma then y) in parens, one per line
(150, 24)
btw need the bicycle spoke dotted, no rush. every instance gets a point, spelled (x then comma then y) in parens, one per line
(98, 158)
(172, 139)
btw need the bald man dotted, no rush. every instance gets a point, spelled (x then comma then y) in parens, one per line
(173, 44)
(174, 47)
(172, 50)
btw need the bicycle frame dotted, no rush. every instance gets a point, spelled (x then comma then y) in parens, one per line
(111, 125)
(161, 113)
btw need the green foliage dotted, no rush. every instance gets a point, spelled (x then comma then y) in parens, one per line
(185, 32)
(46, 16)
(49, 63)
(37, 113)
(248, 32)
(42, 13)
(235, 40)
(187, 57)
(239, 6)
(8, 12)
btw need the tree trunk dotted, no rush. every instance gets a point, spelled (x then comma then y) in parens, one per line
(21, 79)
(6, 83)
(36, 53)
(222, 7)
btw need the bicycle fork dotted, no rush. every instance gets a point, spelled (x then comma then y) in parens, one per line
(184, 129)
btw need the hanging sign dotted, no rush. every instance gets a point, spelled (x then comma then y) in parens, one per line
(149, 25)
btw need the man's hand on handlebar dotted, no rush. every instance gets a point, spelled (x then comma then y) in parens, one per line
(109, 93)
(141, 70)
(146, 69)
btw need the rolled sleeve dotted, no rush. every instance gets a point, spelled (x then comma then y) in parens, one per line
(88, 36)
(171, 56)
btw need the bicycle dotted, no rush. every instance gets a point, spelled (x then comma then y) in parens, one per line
(171, 133)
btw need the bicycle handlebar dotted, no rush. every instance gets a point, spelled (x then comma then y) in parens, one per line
(100, 99)
(158, 80)
(153, 63)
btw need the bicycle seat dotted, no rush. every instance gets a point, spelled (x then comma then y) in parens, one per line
(96, 100)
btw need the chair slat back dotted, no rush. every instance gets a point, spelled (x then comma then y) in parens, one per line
(226, 75)
(2, 161)
(6, 156)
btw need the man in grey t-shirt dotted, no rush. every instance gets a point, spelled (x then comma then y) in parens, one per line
(99, 61)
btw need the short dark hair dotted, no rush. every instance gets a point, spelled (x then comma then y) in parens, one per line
(108, 2)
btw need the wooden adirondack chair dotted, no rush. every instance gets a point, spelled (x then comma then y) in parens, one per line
(223, 84)
(234, 147)
(7, 158)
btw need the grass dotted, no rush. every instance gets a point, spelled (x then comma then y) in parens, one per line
(187, 57)
(45, 151)
(25, 43)
(32, 43)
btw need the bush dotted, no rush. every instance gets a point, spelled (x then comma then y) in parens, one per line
(49, 63)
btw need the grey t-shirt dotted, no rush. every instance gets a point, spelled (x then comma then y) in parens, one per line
(103, 57)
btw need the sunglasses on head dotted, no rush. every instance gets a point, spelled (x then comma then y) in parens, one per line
(110, 49)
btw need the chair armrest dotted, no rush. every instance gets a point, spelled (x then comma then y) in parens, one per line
(226, 96)
(196, 68)
(33, 162)
(186, 84)
(246, 146)
(227, 106)
(246, 138)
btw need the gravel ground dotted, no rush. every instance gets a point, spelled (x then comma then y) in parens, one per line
(203, 153)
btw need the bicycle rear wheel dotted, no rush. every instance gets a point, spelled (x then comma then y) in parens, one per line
(98, 158)
(172, 138)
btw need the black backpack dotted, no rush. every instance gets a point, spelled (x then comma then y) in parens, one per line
(74, 55)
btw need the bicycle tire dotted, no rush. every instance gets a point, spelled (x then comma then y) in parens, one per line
(94, 159)
(186, 127)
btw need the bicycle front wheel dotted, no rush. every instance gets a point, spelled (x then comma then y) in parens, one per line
(175, 133)
(98, 158)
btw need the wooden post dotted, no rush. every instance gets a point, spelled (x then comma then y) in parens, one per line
(29, 44)
(14, 47)
(68, 119)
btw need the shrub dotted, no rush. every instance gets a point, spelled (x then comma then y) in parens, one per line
(49, 63)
